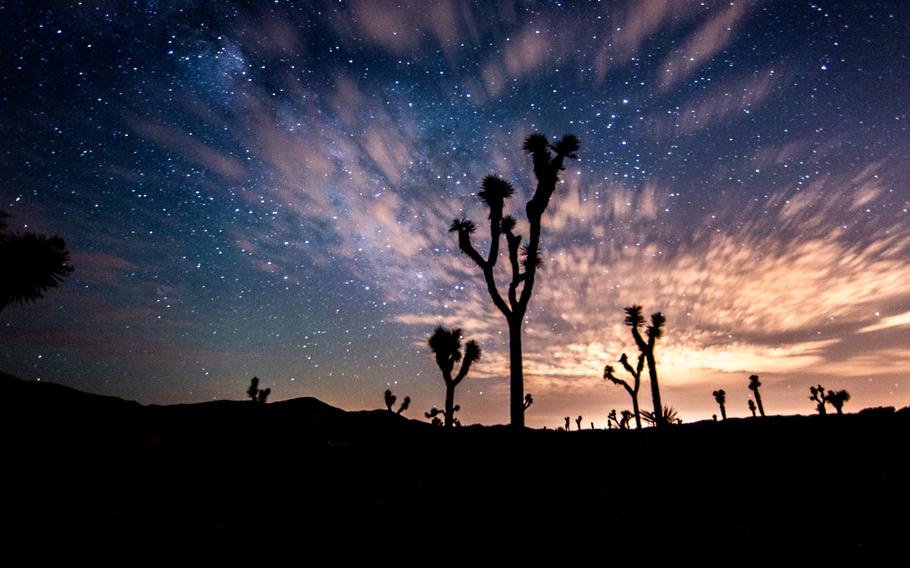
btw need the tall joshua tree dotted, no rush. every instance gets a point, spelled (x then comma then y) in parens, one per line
(817, 395)
(837, 399)
(548, 160)
(446, 345)
(754, 385)
(654, 331)
(632, 390)
(720, 397)
(30, 264)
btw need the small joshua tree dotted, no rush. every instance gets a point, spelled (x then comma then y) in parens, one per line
(720, 397)
(446, 345)
(754, 385)
(837, 399)
(817, 395)
(389, 399)
(654, 331)
(548, 160)
(529, 400)
(621, 423)
(752, 407)
(568, 421)
(253, 390)
(578, 423)
(263, 396)
(633, 389)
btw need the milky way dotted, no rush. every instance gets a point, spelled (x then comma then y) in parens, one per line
(266, 190)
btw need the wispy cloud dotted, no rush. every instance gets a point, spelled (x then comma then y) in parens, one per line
(899, 320)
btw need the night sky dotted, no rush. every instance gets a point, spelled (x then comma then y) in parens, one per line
(265, 189)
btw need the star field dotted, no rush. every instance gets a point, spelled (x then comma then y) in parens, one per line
(264, 189)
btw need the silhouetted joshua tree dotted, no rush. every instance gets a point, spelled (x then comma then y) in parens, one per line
(568, 421)
(837, 399)
(654, 332)
(390, 401)
(754, 385)
(578, 423)
(30, 264)
(446, 345)
(720, 397)
(255, 393)
(621, 423)
(817, 395)
(529, 400)
(548, 161)
(752, 407)
(632, 390)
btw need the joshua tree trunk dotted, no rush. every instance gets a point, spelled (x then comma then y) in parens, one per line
(761, 409)
(516, 382)
(723, 411)
(450, 404)
(655, 389)
(637, 413)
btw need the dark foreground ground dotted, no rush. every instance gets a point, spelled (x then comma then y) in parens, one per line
(299, 483)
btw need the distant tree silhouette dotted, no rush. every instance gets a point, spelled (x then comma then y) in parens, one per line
(548, 160)
(636, 384)
(837, 399)
(817, 395)
(654, 331)
(592, 426)
(390, 399)
(30, 264)
(621, 423)
(611, 419)
(754, 385)
(255, 393)
(253, 390)
(667, 416)
(568, 421)
(752, 407)
(720, 396)
(578, 423)
(446, 345)
(390, 402)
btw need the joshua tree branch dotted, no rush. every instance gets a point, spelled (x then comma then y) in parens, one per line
(642, 346)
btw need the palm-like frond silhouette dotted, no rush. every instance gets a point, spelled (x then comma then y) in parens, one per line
(634, 319)
(31, 264)
(656, 329)
(462, 226)
(494, 192)
(667, 416)
(567, 146)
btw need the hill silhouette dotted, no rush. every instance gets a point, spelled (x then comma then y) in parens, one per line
(299, 482)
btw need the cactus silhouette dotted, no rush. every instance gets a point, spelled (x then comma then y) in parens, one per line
(837, 399)
(754, 385)
(30, 264)
(446, 345)
(720, 397)
(405, 404)
(578, 423)
(390, 399)
(654, 331)
(548, 160)
(817, 395)
(636, 384)
(752, 407)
